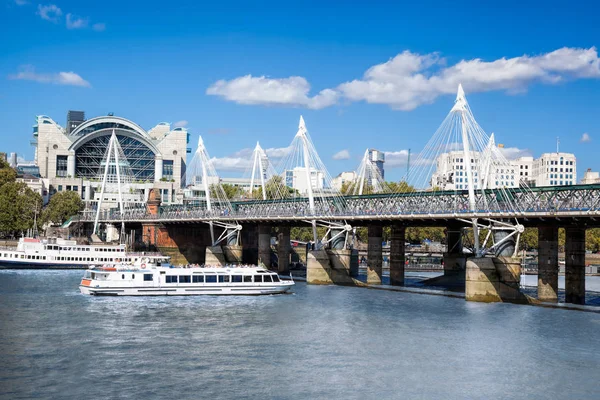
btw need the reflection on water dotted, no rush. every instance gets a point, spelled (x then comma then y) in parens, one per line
(323, 342)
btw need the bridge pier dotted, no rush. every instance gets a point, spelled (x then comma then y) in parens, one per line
(492, 280)
(575, 265)
(374, 255)
(264, 245)
(283, 250)
(250, 244)
(397, 255)
(455, 260)
(548, 263)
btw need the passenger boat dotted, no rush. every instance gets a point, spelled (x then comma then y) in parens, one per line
(147, 279)
(58, 253)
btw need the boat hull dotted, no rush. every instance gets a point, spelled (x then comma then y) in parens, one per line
(216, 290)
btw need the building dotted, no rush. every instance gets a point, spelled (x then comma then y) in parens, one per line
(72, 158)
(555, 169)
(297, 179)
(345, 177)
(377, 159)
(551, 169)
(590, 177)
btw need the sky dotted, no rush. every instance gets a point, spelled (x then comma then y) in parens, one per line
(381, 74)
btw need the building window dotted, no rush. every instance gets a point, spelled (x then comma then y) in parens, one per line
(61, 166)
(60, 188)
(167, 170)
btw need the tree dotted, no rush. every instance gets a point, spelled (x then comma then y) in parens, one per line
(275, 188)
(18, 206)
(400, 187)
(231, 191)
(61, 207)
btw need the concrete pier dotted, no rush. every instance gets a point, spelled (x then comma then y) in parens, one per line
(264, 245)
(214, 256)
(250, 244)
(283, 250)
(491, 280)
(548, 263)
(397, 255)
(575, 265)
(374, 255)
(233, 254)
(454, 259)
(331, 266)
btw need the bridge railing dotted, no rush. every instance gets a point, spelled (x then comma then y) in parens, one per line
(545, 200)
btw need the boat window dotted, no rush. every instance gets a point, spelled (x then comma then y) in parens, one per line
(247, 278)
(236, 278)
(258, 278)
(211, 279)
(223, 278)
(267, 278)
(147, 277)
(132, 276)
(197, 279)
(275, 278)
(87, 274)
(185, 279)
(123, 276)
(171, 279)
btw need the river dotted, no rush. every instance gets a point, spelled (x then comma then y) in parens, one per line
(322, 342)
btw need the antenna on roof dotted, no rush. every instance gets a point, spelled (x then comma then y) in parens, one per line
(557, 143)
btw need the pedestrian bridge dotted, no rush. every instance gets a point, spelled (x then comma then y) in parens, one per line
(579, 201)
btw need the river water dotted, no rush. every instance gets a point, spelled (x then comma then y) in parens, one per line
(323, 342)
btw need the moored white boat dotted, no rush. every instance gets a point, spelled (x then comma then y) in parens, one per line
(153, 280)
(61, 253)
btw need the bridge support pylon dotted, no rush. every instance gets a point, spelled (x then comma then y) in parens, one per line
(283, 250)
(575, 265)
(397, 255)
(494, 279)
(374, 255)
(264, 245)
(548, 263)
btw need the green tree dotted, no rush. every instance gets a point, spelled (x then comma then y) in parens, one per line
(231, 191)
(275, 188)
(400, 187)
(61, 207)
(18, 206)
(529, 239)
(7, 174)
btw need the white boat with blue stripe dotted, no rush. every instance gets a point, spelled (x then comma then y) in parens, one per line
(157, 280)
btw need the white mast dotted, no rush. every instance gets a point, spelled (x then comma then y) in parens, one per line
(311, 198)
(203, 162)
(461, 106)
(107, 161)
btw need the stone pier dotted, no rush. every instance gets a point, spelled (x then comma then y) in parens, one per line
(331, 266)
(250, 244)
(492, 280)
(283, 250)
(397, 255)
(374, 255)
(548, 263)
(454, 258)
(264, 245)
(575, 265)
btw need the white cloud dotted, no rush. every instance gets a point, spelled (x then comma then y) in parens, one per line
(409, 79)
(180, 124)
(341, 155)
(292, 91)
(60, 78)
(50, 12)
(242, 159)
(585, 138)
(512, 153)
(75, 22)
(21, 2)
(99, 27)
(231, 163)
(394, 159)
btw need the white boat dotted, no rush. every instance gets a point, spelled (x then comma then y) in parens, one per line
(60, 253)
(149, 279)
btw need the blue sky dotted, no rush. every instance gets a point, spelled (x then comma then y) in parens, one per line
(379, 75)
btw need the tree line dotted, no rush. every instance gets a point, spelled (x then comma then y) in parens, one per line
(20, 206)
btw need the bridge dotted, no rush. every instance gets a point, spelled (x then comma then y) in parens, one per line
(484, 209)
